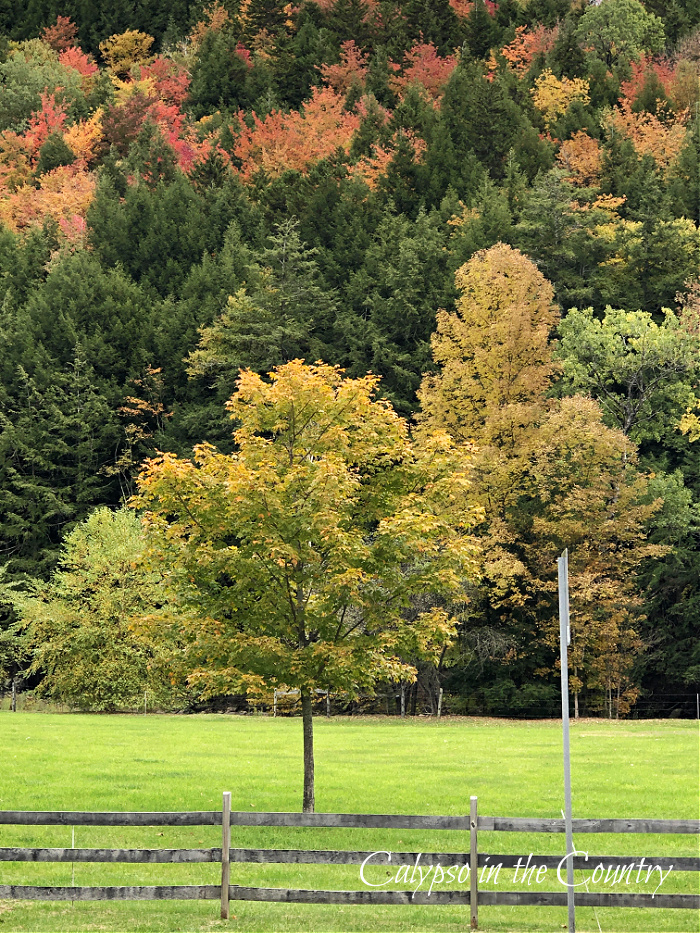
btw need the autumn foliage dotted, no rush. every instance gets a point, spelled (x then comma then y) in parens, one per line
(296, 140)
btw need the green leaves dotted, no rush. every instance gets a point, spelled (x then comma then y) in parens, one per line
(642, 373)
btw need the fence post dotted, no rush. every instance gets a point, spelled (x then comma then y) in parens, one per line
(13, 702)
(439, 703)
(403, 701)
(328, 705)
(473, 863)
(274, 704)
(225, 853)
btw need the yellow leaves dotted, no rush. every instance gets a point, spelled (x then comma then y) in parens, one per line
(124, 50)
(64, 194)
(651, 136)
(553, 96)
(84, 138)
(494, 355)
(581, 158)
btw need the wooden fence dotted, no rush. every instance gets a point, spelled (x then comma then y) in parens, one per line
(225, 855)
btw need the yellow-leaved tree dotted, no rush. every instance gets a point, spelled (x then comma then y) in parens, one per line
(548, 473)
(300, 555)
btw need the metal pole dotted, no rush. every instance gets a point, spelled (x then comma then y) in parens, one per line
(473, 862)
(564, 641)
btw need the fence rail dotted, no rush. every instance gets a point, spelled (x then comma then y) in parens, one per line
(226, 856)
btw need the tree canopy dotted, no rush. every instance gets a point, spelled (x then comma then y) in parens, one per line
(300, 553)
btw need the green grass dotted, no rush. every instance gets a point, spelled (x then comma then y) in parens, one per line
(374, 765)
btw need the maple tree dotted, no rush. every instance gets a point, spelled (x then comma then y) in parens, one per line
(299, 554)
(581, 157)
(424, 67)
(351, 71)
(527, 45)
(296, 140)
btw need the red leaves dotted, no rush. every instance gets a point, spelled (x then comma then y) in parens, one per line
(61, 35)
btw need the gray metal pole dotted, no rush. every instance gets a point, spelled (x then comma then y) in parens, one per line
(564, 640)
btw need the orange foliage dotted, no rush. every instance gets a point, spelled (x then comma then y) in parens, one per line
(580, 156)
(527, 45)
(422, 65)
(167, 79)
(664, 71)
(215, 18)
(464, 7)
(372, 168)
(64, 195)
(351, 70)
(663, 141)
(296, 140)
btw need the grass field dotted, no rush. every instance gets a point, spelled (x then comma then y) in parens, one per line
(374, 765)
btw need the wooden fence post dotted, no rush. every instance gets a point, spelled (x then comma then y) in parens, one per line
(225, 853)
(473, 863)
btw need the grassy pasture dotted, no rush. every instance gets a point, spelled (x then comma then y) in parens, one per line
(375, 765)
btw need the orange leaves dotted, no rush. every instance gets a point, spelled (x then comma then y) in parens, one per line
(61, 35)
(463, 8)
(423, 66)
(581, 158)
(650, 135)
(168, 80)
(50, 119)
(352, 69)
(372, 168)
(64, 195)
(296, 140)
(215, 18)
(527, 45)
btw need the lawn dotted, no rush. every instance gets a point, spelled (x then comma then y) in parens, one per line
(363, 765)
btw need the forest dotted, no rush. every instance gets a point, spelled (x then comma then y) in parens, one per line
(440, 193)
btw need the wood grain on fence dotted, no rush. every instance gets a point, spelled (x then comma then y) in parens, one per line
(302, 896)
(331, 857)
(344, 821)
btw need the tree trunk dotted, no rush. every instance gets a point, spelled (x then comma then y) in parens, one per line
(308, 723)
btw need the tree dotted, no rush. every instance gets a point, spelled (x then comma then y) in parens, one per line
(548, 473)
(79, 627)
(299, 554)
(642, 373)
(620, 30)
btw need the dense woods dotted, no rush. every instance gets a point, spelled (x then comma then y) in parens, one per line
(492, 207)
